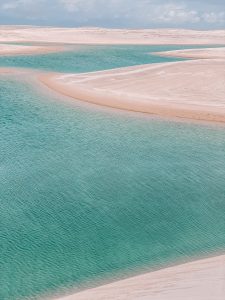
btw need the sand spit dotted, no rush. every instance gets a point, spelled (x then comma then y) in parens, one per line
(110, 36)
(199, 280)
(191, 89)
(208, 53)
(6, 49)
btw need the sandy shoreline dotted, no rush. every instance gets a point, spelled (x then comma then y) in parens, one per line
(199, 280)
(111, 36)
(7, 49)
(191, 89)
(208, 53)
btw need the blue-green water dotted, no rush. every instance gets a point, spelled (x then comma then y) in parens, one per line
(92, 58)
(88, 193)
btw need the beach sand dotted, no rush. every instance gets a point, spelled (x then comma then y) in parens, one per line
(7, 49)
(208, 53)
(192, 89)
(199, 280)
(111, 36)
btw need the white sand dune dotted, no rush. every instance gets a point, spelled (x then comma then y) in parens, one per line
(192, 89)
(199, 280)
(7, 49)
(110, 36)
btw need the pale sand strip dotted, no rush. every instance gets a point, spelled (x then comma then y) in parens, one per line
(111, 36)
(208, 53)
(199, 280)
(19, 72)
(191, 89)
(7, 71)
(7, 49)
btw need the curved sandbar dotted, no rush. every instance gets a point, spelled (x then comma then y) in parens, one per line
(6, 49)
(208, 53)
(199, 280)
(191, 89)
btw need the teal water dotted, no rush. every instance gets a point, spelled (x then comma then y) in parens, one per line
(88, 193)
(91, 58)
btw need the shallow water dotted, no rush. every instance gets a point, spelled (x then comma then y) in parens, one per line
(89, 193)
(91, 58)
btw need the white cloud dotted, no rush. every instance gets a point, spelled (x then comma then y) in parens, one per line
(81, 5)
(213, 17)
(12, 5)
(176, 12)
(8, 6)
(71, 5)
(173, 13)
(116, 13)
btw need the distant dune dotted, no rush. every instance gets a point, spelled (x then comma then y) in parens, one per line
(110, 36)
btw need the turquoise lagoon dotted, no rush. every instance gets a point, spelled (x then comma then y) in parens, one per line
(91, 58)
(89, 192)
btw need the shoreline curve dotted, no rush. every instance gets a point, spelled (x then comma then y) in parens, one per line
(192, 89)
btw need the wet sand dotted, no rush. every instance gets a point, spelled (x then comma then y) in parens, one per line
(111, 36)
(199, 280)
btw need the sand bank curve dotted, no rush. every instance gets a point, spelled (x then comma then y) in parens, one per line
(207, 53)
(191, 89)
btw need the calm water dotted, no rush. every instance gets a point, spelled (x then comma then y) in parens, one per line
(92, 58)
(88, 192)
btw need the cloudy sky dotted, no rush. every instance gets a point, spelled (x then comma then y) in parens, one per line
(201, 14)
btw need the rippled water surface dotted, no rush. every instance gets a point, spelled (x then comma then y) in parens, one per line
(88, 193)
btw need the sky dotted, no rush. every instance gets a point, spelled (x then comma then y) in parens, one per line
(196, 14)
